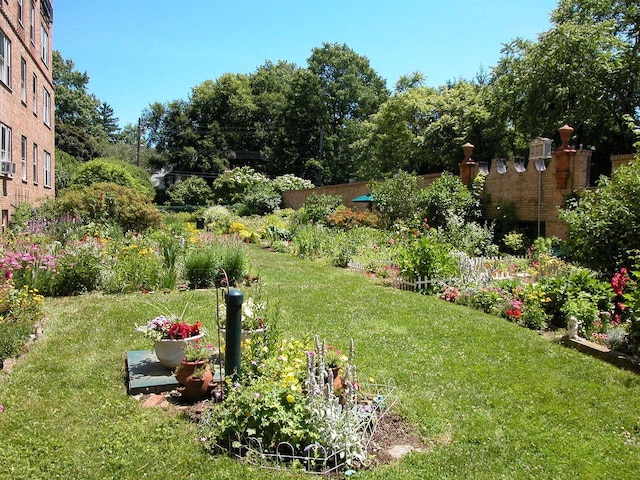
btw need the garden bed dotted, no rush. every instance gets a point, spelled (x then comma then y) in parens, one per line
(614, 357)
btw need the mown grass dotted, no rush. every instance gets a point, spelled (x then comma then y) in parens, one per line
(492, 400)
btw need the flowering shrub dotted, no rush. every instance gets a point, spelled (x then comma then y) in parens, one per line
(134, 264)
(163, 327)
(20, 309)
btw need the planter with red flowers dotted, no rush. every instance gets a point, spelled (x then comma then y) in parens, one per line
(171, 335)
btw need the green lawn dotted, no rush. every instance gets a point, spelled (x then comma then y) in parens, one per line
(492, 399)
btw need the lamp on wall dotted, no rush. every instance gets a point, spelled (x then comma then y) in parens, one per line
(518, 164)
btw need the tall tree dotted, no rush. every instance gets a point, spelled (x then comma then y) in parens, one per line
(421, 130)
(585, 71)
(351, 91)
(108, 121)
(78, 128)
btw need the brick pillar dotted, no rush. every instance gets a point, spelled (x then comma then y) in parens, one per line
(467, 165)
(563, 157)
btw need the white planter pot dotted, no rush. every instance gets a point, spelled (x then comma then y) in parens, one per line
(171, 352)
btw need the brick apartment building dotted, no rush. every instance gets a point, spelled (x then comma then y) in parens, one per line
(27, 136)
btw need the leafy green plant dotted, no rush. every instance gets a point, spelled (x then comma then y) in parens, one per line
(318, 207)
(426, 257)
(192, 191)
(202, 266)
(134, 265)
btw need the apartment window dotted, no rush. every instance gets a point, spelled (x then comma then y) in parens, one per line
(44, 46)
(5, 60)
(23, 158)
(46, 159)
(34, 93)
(23, 80)
(5, 220)
(46, 107)
(35, 164)
(5, 143)
(20, 12)
(32, 23)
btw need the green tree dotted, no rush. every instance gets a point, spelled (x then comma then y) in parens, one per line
(421, 129)
(585, 71)
(76, 110)
(351, 91)
(108, 122)
(66, 165)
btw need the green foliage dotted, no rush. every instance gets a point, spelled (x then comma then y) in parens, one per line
(108, 202)
(515, 243)
(398, 198)
(602, 222)
(318, 207)
(207, 264)
(192, 191)
(467, 236)
(78, 268)
(66, 166)
(427, 257)
(20, 310)
(445, 197)
(112, 170)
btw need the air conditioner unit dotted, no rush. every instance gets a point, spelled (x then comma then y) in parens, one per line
(7, 168)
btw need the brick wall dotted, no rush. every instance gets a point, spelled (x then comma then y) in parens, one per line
(348, 191)
(17, 113)
(521, 190)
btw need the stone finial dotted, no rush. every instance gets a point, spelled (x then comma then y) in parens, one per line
(467, 148)
(565, 136)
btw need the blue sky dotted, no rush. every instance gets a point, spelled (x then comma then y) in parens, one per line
(137, 52)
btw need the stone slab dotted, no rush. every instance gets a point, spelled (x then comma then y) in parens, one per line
(146, 374)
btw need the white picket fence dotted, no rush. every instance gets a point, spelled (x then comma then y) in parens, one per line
(473, 270)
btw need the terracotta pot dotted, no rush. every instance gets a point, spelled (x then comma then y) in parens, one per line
(337, 380)
(171, 352)
(194, 388)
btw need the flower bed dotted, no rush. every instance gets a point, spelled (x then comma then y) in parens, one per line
(288, 408)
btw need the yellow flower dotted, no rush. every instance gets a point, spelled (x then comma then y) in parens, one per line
(290, 398)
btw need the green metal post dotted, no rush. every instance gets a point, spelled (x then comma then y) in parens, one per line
(233, 352)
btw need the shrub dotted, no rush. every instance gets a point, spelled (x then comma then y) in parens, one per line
(347, 219)
(427, 257)
(397, 198)
(602, 223)
(318, 207)
(115, 171)
(445, 197)
(110, 203)
(192, 191)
